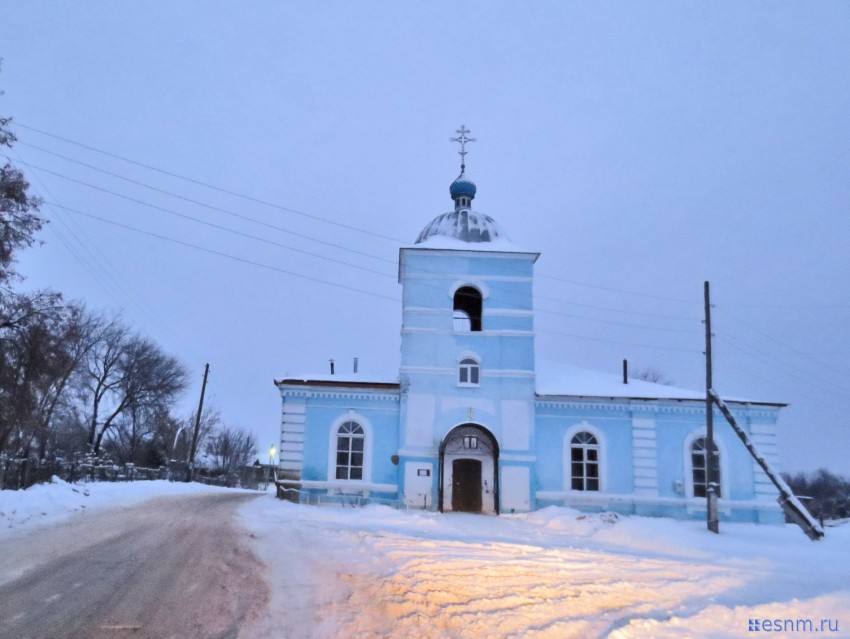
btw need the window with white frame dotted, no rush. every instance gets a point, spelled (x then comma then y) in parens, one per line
(699, 467)
(468, 371)
(350, 445)
(584, 462)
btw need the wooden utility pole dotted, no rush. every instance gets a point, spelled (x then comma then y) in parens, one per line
(712, 514)
(197, 430)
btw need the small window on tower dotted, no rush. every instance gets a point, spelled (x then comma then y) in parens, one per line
(468, 372)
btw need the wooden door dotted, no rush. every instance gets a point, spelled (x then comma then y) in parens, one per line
(466, 485)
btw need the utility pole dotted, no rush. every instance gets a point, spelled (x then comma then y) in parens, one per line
(197, 430)
(712, 514)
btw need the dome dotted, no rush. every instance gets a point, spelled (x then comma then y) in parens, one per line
(463, 225)
(462, 186)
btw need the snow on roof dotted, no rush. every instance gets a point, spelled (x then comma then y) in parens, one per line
(554, 378)
(344, 377)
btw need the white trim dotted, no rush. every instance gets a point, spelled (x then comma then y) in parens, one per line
(477, 284)
(490, 372)
(491, 312)
(517, 458)
(343, 486)
(417, 453)
(602, 457)
(367, 449)
(693, 505)
(442, 331)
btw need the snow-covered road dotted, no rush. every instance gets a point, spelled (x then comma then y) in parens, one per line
(377, 572)
(173, 567)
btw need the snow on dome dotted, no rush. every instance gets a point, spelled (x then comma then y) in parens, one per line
(463, 225)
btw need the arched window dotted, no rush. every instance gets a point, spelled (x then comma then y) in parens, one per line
(467, 309)
(350, 440)
(468, 371)
(699, 468)
(584, 462)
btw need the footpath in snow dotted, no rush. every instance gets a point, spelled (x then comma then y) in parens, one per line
(380, 573)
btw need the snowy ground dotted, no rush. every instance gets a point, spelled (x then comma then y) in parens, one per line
(376, 572)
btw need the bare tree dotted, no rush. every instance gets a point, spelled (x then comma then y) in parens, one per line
(125, 372)
(649, 374)
(230, 449)
(41, 348)
(19, 219)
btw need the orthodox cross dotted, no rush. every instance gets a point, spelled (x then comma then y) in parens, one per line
(470, 413)
(463, 138)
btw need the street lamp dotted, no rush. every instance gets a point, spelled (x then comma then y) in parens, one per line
(272, 451)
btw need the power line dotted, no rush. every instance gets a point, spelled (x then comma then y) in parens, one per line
(302, 213)
(84, 244)
(610, 341)
(304, 252)
(210, 224)
(218, 226)
(211, 186)
(222, 254)
(780, 342)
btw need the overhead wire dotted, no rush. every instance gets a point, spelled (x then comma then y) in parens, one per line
(265, 240)
(312, 216)
(210, 186)
(93, 263)
(223, 254)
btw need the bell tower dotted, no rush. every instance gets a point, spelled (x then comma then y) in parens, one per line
(467, 361)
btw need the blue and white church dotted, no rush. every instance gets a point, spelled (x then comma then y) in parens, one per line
(472, 422)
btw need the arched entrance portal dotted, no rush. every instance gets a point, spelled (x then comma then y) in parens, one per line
(469, 470)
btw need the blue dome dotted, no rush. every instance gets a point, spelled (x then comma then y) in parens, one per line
(462, 186)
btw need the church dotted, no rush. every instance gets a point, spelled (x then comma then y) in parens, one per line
(472, 422)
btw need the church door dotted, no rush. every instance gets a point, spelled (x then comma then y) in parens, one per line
(466, 485)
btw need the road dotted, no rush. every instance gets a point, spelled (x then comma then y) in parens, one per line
(176, 567)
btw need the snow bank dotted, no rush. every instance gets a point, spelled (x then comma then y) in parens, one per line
(43, 504)
(377, 572)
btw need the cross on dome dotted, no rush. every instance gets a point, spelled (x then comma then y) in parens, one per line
(463, 139)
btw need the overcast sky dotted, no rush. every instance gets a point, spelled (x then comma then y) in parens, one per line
(641, 147)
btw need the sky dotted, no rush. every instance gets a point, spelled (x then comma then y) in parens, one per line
(236, 180)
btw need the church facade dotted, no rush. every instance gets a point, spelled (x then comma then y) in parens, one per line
(473, 423)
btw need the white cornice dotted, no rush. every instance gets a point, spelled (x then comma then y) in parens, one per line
(308, 392)
(472, 334)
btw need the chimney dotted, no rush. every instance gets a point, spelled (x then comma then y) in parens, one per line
(625, 371)
(355, 365)
(332, 366)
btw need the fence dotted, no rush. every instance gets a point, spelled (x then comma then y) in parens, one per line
(17, 473)
(352, 500)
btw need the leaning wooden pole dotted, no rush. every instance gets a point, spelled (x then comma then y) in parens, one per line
(712, 512)
(787, 499)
